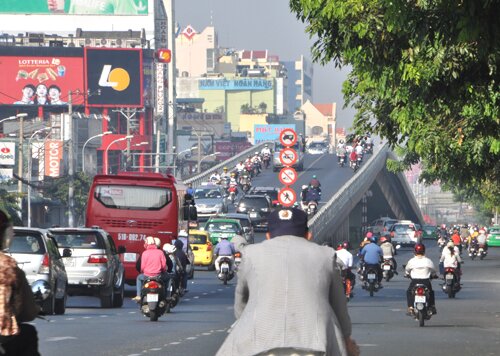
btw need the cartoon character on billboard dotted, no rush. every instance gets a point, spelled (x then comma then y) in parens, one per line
(99, 7)
(28, 92)
(55, 95)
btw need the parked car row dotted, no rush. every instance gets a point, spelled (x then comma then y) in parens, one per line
(70, 261)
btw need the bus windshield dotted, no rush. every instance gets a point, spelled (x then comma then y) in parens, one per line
(132, 197)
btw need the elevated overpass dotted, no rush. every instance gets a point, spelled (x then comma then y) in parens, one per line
(349, 200)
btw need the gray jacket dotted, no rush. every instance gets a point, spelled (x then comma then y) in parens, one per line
(289, 295)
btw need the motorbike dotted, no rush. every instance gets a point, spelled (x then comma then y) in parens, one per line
(233, 191)
(355, 166)
(370, 280)
(451, 285)
(441, 244)
(348, 285)
(256, 169)
(154, 299)
(342, 160)
(245, 183)
(482, 252)
(387, 269)
(421, 307)
(266, 160)
(249, 169)
(237, 260)
(473, 250)
(225, 273)
(312, 208)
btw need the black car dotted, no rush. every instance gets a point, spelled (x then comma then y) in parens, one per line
(258, 207)
(271, 192)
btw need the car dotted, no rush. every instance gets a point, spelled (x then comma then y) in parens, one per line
(299, 150)
(317, 148)
(94, 267)
(210, 200)
(202, 248)
(272, 192)
(429, 232)
(403, 233)
(382, 225)
(36, 253)
(246, 224)
(258, 207)
(222, 227)
(494, 236)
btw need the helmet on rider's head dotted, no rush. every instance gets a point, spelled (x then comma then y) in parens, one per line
(419, 249)
(373, 239)
(450, 244)
(481, 231)
(341, 141)
(383, 239)
(304, 187)
(265, 145)
(224, 169)
(256, 153)
(314, 176)
(346, 245)
(233, 174)
(369, 234)
(223, 237)
(443, 226)
(182, 233)
(340, 246)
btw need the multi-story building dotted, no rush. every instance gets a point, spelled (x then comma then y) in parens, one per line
(300, 83)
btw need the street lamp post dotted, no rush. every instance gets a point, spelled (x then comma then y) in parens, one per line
(128, 137)
(30, 161)
(204, 158)
(85, 144)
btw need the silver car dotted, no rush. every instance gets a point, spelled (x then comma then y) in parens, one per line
(210, 200)
(93, 264)
(246, 224)
(37, 255)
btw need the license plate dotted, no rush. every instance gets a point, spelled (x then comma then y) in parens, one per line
(420, 299)
(387, 267)
(151, 297)
(129, 257)
(69, 262)
(253, 215)
(449, 276)
(371, 275)
(237, 260)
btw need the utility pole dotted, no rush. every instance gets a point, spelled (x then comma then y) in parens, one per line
(71, 164)
(20, 168)
(171, 99)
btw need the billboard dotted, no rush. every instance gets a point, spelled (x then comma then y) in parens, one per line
(34, 80)
(269, 132)
(229, 149)
(53, 157)
(7, 153)
(6, 174)
(235, 84)
(76, 7)
(113, 77)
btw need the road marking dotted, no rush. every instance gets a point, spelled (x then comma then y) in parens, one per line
(205, 293)
(175, 343)
(187, 299)
(87, 317)
(221, 330)
(103, 316)
(191, 338)
(155, 349)
(368, 345)
(61, 338)
(131, 312)
(206, 334)
(70, 318)
(196, 297)
(310, 166)
(396, 310)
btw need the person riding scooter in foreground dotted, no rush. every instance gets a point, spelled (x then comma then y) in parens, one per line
(421, 270)
(224, 248)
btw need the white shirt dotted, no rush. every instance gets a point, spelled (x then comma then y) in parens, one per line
(359, 149)
(420, 267)
(240, 167)
(481, 239)
(265, 151)
(449, 260)
(345, 256)
(387, 249)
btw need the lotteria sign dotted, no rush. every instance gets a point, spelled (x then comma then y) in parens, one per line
(7, 153)
(53, 156)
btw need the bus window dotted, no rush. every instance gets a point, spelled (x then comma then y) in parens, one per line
(133, 197)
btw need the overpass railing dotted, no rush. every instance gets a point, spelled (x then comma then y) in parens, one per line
(231, 163)
(327, 220)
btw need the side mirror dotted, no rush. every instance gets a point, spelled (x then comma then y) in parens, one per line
(246, 229)
(121, 250)
(67, 252)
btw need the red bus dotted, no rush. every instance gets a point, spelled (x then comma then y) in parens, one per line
(133, 205)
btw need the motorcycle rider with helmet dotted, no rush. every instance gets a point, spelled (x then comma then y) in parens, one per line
(346, 257)
(389, 251)
(371, 255)
(225, 174)
(482, 239)
(215, 178)
(266, 150)
(303, 196)
(240, 167)
(315, 184)
(421, 270)
(450, 258)
(224, 248)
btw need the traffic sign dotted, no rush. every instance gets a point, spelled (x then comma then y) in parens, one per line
(288, 157)
(287, 197)
(288, 137)
(288, 176)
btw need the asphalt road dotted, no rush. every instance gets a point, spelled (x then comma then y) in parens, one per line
(467, 325)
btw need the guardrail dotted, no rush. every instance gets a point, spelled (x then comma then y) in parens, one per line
(326, 221)
(203, 177)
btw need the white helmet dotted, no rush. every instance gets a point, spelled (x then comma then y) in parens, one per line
(256, 153)
(224, 237)
(265, 145)
(183, 233)
(304, 186)
(168, 248)
(157, 242)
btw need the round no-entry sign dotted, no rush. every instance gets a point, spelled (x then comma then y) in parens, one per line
(288, 157)
(287, 197)
(288, 137)
(288, 176)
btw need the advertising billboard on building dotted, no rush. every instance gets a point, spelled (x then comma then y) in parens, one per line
(197, 121)
(6, 174)
(76, 7)
(235, 84)
(113, 77)
(36, 80)
(53, 157)
(229, 149)
(269, 132)
(7, 153)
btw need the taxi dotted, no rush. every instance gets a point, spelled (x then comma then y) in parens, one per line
(202, 247)
(494, 236)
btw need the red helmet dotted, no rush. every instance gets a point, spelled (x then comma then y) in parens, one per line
(346, 245)
(339, 247)
(419, 249)
(369, 234)
(383, 239)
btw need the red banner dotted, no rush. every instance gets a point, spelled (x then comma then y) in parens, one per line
(53, 157)
(229, 149)
(32, 80)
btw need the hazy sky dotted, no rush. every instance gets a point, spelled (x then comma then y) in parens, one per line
(260, 25)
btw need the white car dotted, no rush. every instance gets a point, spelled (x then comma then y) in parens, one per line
(317, 148)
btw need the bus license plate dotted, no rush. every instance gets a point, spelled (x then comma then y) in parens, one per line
(420, 299)
(387, 267)
(129, 257)
(371, 275)
(152, 297)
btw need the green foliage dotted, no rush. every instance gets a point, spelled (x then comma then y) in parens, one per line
(57, 189)
(9, 202)
(425, 76)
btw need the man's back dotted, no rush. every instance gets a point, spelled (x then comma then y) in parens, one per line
(289, 294)
(372, 253)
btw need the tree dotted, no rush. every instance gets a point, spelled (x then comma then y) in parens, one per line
(425, 76)
(10, 203)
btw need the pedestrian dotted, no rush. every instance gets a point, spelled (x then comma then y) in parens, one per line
(289, 297)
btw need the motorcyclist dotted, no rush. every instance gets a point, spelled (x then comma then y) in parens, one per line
(482, 239)
(303, 196)
(256, 158)
(312, 194)
(215, 178)
(389, 251)
(443, 231)
(371, 255)
(341, 153)
(225, 174)
(265, 151)
(17, 303)
(347, 259)
(455, 237)
(421, 270)
(314, 183)
(233, 184)
(450, 258)
(184, 261)
(353, 157)
(359, 149)
(240, 167)
(224, 248)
